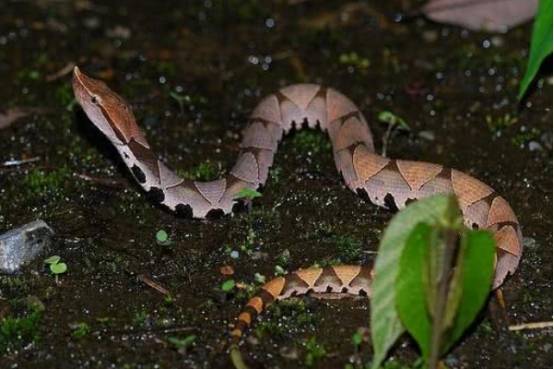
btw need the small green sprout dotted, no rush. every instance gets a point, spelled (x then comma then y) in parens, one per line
(228, 285)
(248, 194)
(394, 122)
(180, 99)
(260, 278)
(314, 352)
(162, 238)
(56, 267)
(182, 343)
(279, 270)
(392, 119)
(357, 339)
(80, 329)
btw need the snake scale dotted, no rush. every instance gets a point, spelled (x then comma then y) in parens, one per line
(385, 182)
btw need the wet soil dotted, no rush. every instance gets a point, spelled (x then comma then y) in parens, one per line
(193, 72)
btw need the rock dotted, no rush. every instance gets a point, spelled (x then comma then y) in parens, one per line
(23, 244)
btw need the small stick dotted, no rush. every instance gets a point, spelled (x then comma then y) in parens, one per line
(155, 285)
(14, 163)
(61, 73)
(101, 181)
(534, 325)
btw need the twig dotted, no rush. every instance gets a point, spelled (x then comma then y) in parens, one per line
(448, 256)
(155, 285)
(113, 183)
(61, 73)
(534, 325)
(386, 137)
(14, 163)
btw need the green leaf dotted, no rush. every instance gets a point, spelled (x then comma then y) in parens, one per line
(411, 295)
(228, 285)
(385, 324)
(478, 270)
(180, 343)
(392, 119)
(541, 44)
(161, 236)
(52, 259)
(468, 285)
(247, 193)
(58, 268)
(357, 339)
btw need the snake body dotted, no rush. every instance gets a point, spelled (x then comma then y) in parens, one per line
(385, 182)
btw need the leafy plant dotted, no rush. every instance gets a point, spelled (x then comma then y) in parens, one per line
(426, 281)
(162, 238)
(394, 122)
(228, 285)
(16, 332)
(314, 352)
(56, 266)
(182, 343)
(80, 329)
(247, 194)
(541, 44)
(435, 301)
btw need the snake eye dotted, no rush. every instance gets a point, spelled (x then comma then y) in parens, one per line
(94, 99)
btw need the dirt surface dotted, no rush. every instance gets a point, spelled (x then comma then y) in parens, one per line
(193, 74)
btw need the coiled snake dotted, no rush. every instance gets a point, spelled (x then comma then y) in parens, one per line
(385, 182)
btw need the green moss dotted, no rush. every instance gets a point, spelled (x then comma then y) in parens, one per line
(297, 313)
(205, 171)
(140, 317)
(525, 136)
(80, 330)
(311, 141)
(17, 332)
(314, 352)
(352, 59)
(40, 181)
(349, 249)
(500, 123)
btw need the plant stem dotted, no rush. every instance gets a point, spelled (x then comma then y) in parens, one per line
(448, 258)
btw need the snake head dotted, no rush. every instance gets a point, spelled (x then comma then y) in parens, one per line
(107, 110)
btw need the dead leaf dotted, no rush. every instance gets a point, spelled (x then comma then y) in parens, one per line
(481, 15)
(226, 270)
(10, 116)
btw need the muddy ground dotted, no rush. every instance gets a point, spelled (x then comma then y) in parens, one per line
(193, 73)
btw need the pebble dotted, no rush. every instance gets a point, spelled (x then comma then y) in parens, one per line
(23, 244)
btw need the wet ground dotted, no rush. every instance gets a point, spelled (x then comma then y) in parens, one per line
(193, 73)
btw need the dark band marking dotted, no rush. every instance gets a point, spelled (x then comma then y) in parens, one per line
(489, 198)
(183, 211)
(251, 311)
(445, 173)
(114, 126)
(328, 276)
(156, 194)
(363, 279)
(390, 203)
(293, 282)
(362, 193)
(215, 214)
(139, 174)
(239, 206)
(144, 155)
(267, 298)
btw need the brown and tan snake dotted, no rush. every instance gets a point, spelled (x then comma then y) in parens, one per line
(385, 182)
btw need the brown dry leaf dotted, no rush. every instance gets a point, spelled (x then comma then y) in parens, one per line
(481, 15)
(10, 116)
(226, 270)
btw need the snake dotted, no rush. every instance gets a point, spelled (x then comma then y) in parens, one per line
(385, 182)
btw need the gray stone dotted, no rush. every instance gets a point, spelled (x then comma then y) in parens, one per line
(23, 244)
